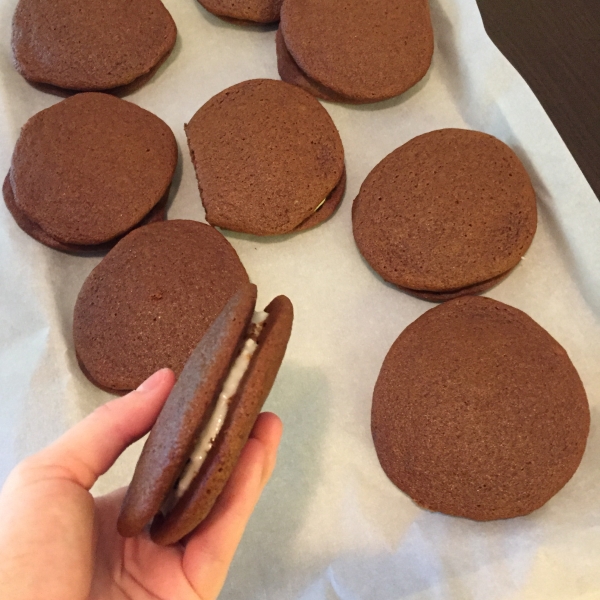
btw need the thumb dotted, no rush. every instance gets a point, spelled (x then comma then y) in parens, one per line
(89, 448)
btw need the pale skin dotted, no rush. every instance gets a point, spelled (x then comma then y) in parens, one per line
(58, 542)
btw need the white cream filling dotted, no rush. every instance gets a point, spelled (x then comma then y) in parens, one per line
(320, 204)
(209, 434)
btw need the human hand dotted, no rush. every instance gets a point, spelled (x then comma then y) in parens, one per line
(58, 542)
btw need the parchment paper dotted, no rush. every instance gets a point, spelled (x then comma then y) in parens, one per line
(330, 525)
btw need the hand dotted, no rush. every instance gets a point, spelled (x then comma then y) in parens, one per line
(58, 542)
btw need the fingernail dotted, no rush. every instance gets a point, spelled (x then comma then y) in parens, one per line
(152, 382)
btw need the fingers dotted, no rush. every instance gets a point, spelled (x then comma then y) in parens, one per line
(211, 547)
(89, 448)
(268, 429)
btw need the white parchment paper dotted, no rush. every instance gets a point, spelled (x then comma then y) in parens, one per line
(330, 525)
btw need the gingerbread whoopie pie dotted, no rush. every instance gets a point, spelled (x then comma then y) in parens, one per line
(449, 213)
(89, 169)
(242, 12)
(354, 51)
(478, 412)
(268, 158)
(148, 303)
(201, 431)
(108, 45)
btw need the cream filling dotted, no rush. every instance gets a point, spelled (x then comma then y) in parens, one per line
(209, 434)
(320, 204)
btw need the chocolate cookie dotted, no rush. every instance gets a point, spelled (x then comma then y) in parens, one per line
(150, 301)
(88, 169)
(478, 412)
(199, 435)
(268, 158)
(353, 51)
(244, 11)
(450, 212)
(97, 46)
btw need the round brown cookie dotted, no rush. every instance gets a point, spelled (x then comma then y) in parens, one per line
(188, 410)
(91, 167)
(242, 12)
(363, 51)
(291, 73)
(266, 156)
(448, 210)
(104, 45)
(157, 214)
(478, 412)
(150, 301)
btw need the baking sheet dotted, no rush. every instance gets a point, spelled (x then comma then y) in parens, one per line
(330, 525)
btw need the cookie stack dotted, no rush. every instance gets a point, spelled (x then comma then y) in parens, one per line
(449, 213)
(354, 51)
(101, 45)
(89, 169)
(268, 158)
